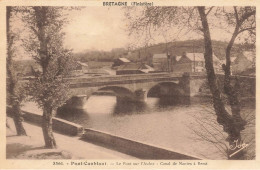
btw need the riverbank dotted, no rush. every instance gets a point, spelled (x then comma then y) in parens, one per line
(32, 146)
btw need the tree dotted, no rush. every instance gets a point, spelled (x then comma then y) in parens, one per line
(48, 89)
(14, 89)
(223, 117)
(232, 123)
(196, 19)
(243, 20)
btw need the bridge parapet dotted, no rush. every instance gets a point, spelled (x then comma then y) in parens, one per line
(123, 77)
(101, 81)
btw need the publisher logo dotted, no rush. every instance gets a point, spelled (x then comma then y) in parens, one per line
(237, 147)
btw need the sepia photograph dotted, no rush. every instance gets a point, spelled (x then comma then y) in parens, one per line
(130, 81)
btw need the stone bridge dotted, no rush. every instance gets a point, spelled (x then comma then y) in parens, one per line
(136, 88)
(132, 88)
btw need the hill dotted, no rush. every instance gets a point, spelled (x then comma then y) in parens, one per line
(174, 48)
(177, 48)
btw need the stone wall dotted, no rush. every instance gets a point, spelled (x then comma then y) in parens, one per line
(59, 125)
(130, 147)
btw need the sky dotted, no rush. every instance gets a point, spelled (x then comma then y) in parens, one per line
(98, 28)
(105, 28)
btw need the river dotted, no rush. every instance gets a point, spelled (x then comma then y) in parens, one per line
(183, 125)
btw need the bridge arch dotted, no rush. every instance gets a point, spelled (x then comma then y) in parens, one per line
(117, 90)
(78, 101)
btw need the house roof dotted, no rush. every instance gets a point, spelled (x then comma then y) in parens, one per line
(242, 60)
(82, 64)
(125, 60)
(98, 71)
(250, 55)
(178, 58)
(199, 57)
(195, 56)
(232, 59)
(148, 67)
(134, 66)
(160, 56)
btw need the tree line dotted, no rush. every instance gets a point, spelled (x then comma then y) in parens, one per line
(174, 48)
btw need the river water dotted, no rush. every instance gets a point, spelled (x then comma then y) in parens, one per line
(182, 125)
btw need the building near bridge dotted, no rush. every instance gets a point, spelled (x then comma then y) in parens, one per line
(251, 56)
(163, 62)
(80, 69)
(120, 61)
(160, 62)
(134, 68)
(194, 62)
(82, 66)
(243, 62)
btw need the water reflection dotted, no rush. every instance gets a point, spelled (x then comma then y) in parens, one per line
(127, 107)
(108, 106)
(73, 115)
(173, 101)
(103, 108)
